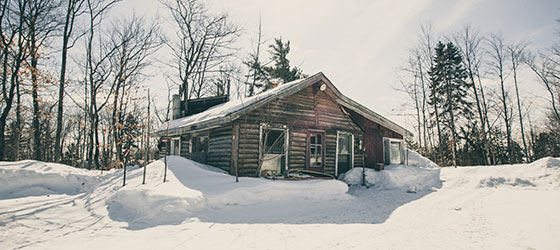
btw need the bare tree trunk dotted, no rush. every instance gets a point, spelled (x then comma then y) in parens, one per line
(470, 40)
(8, 94)
(35, 96)
(516, 53)
(72, 10)
(497, 47)
(424, 120)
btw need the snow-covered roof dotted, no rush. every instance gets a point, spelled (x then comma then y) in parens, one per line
(229, 111)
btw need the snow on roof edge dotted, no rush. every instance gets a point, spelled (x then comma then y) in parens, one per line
(223, 110)
(218, 114)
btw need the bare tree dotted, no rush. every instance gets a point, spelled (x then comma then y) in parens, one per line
(256, 73)
(97, 70)
(543, 70)
(74, 8)
(469, 41)
(134, 41)
(41, 19)
(14, 52)
(427, 43)
(203, 43)
(498, 54)
(516, 53)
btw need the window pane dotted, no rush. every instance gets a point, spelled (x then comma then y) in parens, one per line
(274, 142)
(396, 153)
(200, 144)
(344, 144)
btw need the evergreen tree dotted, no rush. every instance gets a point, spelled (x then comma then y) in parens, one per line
(449, 90)
(264, 77)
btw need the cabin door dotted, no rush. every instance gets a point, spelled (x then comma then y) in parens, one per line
(344, 152)
(315, 151)
(273, 150)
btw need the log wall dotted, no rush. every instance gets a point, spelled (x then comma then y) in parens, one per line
(219, 147)
(309, 109)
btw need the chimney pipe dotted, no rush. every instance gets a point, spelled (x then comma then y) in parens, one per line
(176, 104)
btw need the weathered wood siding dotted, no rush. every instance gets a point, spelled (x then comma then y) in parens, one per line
(219, 147)
(308, 109)
(373, 139)
(186, 146)
(247, 158)
(358, 153)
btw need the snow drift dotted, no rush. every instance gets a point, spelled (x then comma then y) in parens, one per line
(193, 187)
(190, 188)
(420, 175)
(35, 178)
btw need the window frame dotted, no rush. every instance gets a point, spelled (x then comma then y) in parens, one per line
(388, 141)
(286, 131)
(338, 133)
(308, 150)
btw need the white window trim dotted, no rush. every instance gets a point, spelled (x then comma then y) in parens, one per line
(404, 158)
(338, 133)
(286, 141)
(174, 140)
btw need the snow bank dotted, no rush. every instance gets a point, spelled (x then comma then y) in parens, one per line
(279, 191)
(401, 177)
(417, 160)
(193, 187)
(541, 174)
(145, 207)
(421, 174)
(220, 189)
(546, 162)
(34, 178)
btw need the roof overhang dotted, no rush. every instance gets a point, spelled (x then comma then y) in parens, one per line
(319, 77)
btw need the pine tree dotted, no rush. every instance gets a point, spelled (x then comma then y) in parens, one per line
(449, 90)
(264, 77)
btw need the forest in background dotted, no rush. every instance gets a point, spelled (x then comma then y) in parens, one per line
(74, 91)
(91, 108)
(467, 105)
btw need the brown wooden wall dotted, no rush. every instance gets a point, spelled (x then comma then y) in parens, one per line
(308, 109)
(186, 146)
(219, 147)
(373, 139)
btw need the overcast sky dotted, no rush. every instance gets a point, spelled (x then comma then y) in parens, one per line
(360, 44)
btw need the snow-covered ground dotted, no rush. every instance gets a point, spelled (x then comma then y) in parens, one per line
(53, 206)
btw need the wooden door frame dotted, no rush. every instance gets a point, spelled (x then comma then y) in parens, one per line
(338, 133)
(308, 150)
(286, 132)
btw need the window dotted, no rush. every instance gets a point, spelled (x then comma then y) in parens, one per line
(274, 143)
(315, 150)
(393, 151)
(200, 144)
(199, 147)
(273, 149)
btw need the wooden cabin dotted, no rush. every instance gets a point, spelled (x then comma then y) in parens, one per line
(305, 124)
